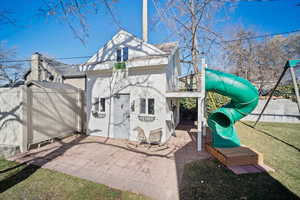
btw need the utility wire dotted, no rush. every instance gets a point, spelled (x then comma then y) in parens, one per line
(237, 1)
(226, 41)
(261, 36)
(58, 58)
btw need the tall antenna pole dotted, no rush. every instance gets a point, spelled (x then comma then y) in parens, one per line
(145, 20)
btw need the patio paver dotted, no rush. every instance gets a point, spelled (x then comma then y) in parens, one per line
(113, 162)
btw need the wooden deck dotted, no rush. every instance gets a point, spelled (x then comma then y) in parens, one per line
(235, 156)
(240, 160)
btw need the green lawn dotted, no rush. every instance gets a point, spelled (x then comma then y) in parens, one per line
(208, 179)
(30, 182)
(279, 143)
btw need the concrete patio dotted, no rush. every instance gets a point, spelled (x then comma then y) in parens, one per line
(154, 172)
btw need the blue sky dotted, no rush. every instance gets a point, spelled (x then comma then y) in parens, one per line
(48, 36)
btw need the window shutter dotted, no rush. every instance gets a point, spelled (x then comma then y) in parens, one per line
(119, 55)
(125, 53)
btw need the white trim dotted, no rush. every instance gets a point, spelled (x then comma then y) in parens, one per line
(146, 114)
(184, 95)
(201, 127)
(123, 32)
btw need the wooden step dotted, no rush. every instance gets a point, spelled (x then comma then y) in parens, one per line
(235, 156)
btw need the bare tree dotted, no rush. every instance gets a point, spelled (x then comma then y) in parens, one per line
(260, 60)
(75, 13)
(241, 54)
(192, 23)
(11, 73)
(5, 18)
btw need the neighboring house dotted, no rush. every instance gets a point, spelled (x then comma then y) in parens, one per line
(47, 69)
(129, 86)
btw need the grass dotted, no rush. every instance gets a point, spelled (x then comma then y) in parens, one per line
(31, 182)
(208, 179)
(280, 145)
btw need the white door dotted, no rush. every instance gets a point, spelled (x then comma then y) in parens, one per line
(121, 116)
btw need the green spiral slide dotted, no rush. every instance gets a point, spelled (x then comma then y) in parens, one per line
(244, 99)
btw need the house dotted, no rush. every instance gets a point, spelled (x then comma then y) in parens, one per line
(131, 87)
(127, 82)
(48, 69)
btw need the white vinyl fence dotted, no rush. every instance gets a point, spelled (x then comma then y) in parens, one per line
(38, 112)
(278, 110)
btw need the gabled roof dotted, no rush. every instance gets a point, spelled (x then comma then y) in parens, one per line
(62, 68)
(168, 47)
(164, 49)
(156, 51)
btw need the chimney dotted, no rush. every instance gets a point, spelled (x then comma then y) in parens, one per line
(35, 67)
(145, 20)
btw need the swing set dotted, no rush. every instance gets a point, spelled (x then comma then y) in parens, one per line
(291, 65)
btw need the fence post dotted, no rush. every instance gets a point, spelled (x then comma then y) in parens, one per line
(26, 98)
(80, 114)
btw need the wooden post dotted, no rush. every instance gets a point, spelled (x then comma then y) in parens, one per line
(201, 129)
(203, 92)
(295, 86)
(199, 125)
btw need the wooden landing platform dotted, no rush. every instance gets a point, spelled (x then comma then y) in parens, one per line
(240, 160)
(235, 156)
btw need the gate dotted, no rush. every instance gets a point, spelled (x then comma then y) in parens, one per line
(53, 110)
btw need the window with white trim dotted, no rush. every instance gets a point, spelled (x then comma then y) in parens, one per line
(119, 55)
(102, 104)
(147, 106)
(125, 53)
(99, 104)
(143, 106)
(122, 54)
(151, 106)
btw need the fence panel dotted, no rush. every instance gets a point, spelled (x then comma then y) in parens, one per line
(54, 113)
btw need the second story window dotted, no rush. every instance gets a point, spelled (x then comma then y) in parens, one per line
(125, 53)
(119, 55)
(122, 54)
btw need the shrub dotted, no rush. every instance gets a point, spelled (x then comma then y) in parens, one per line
(120, 65)
(214, 101)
